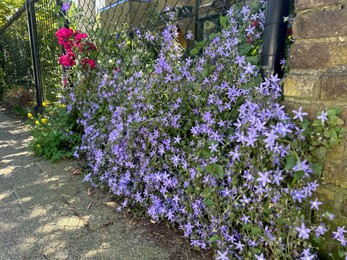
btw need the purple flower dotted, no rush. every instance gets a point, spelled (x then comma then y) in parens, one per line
(177, 140)
(331, 216)
(339, 235)
(65, 7)
(270, 139)
(260, 257)
(323, 117)
(298, 195)
(304, 232)
(306, 255)
(299, 114)
(249, 68)
(222, 255)
(320, 230)
(213, 147)
(264, 178)
(245, 199)
(315, 204)
(239, 245)
(245, 219)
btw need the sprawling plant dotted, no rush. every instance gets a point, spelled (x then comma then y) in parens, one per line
(204, 143)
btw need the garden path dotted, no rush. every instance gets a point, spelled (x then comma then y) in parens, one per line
(48, 213)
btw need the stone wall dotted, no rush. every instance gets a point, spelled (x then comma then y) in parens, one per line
(318, 81)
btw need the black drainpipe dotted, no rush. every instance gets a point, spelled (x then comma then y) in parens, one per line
(275, 35)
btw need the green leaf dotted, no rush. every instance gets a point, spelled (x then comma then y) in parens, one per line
(332, 112)
(209, 168)
(258, 80)
(320, 152)
(214, 238)
(256, 250)
(318, 240)
(220, 171)
(317, 169)
(290, 162)
(299, 175)
(199, 169)
(339, 121)
(252, 59)
(244, 48)
(305, 124)
(209, 203)
(317, 123)
(333, 134)
(215, 170)
(206, 193)
(341, 253)
(281, 221)
(256, 231)
(223, 21)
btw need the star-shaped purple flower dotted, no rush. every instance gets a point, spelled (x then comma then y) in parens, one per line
(323, 117)
(66, 6)
(299, 114)
(304, 232)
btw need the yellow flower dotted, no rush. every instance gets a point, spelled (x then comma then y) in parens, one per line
(38, 145)
(44, 103)
(37, 122)
(30, 115)
(44, 120)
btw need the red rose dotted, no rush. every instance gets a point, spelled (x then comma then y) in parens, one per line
(80, 36)
(67, 60)
(88, 63)
(63, 35)
(92, 64)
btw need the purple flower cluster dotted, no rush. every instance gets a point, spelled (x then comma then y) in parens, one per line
(202, 142)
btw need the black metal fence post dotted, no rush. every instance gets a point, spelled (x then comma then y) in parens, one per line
(30, 8)
(275, 35)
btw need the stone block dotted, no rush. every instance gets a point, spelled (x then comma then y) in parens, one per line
(318, 55)
(311, 108)
(337, 154)
(308, 4)
(304, 86)
(344, 206)
(334, 87)
(327, 197)
(322, 24)
(335, 174)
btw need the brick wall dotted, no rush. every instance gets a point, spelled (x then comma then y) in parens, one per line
(318, 81)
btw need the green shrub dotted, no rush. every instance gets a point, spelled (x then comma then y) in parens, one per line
(55, 133)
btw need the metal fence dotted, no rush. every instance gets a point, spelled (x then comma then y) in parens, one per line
(29, 51)
(15, 57)
(30, 57)
(199, 18)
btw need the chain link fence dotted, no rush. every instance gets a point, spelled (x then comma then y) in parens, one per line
(199, 18)
(29, 58)
(15, 57)
(20, 47)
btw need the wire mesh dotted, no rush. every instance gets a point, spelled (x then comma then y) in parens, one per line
(197, 17)
(49, 51)
(103, 20)
(197, 21)
(15, 57)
